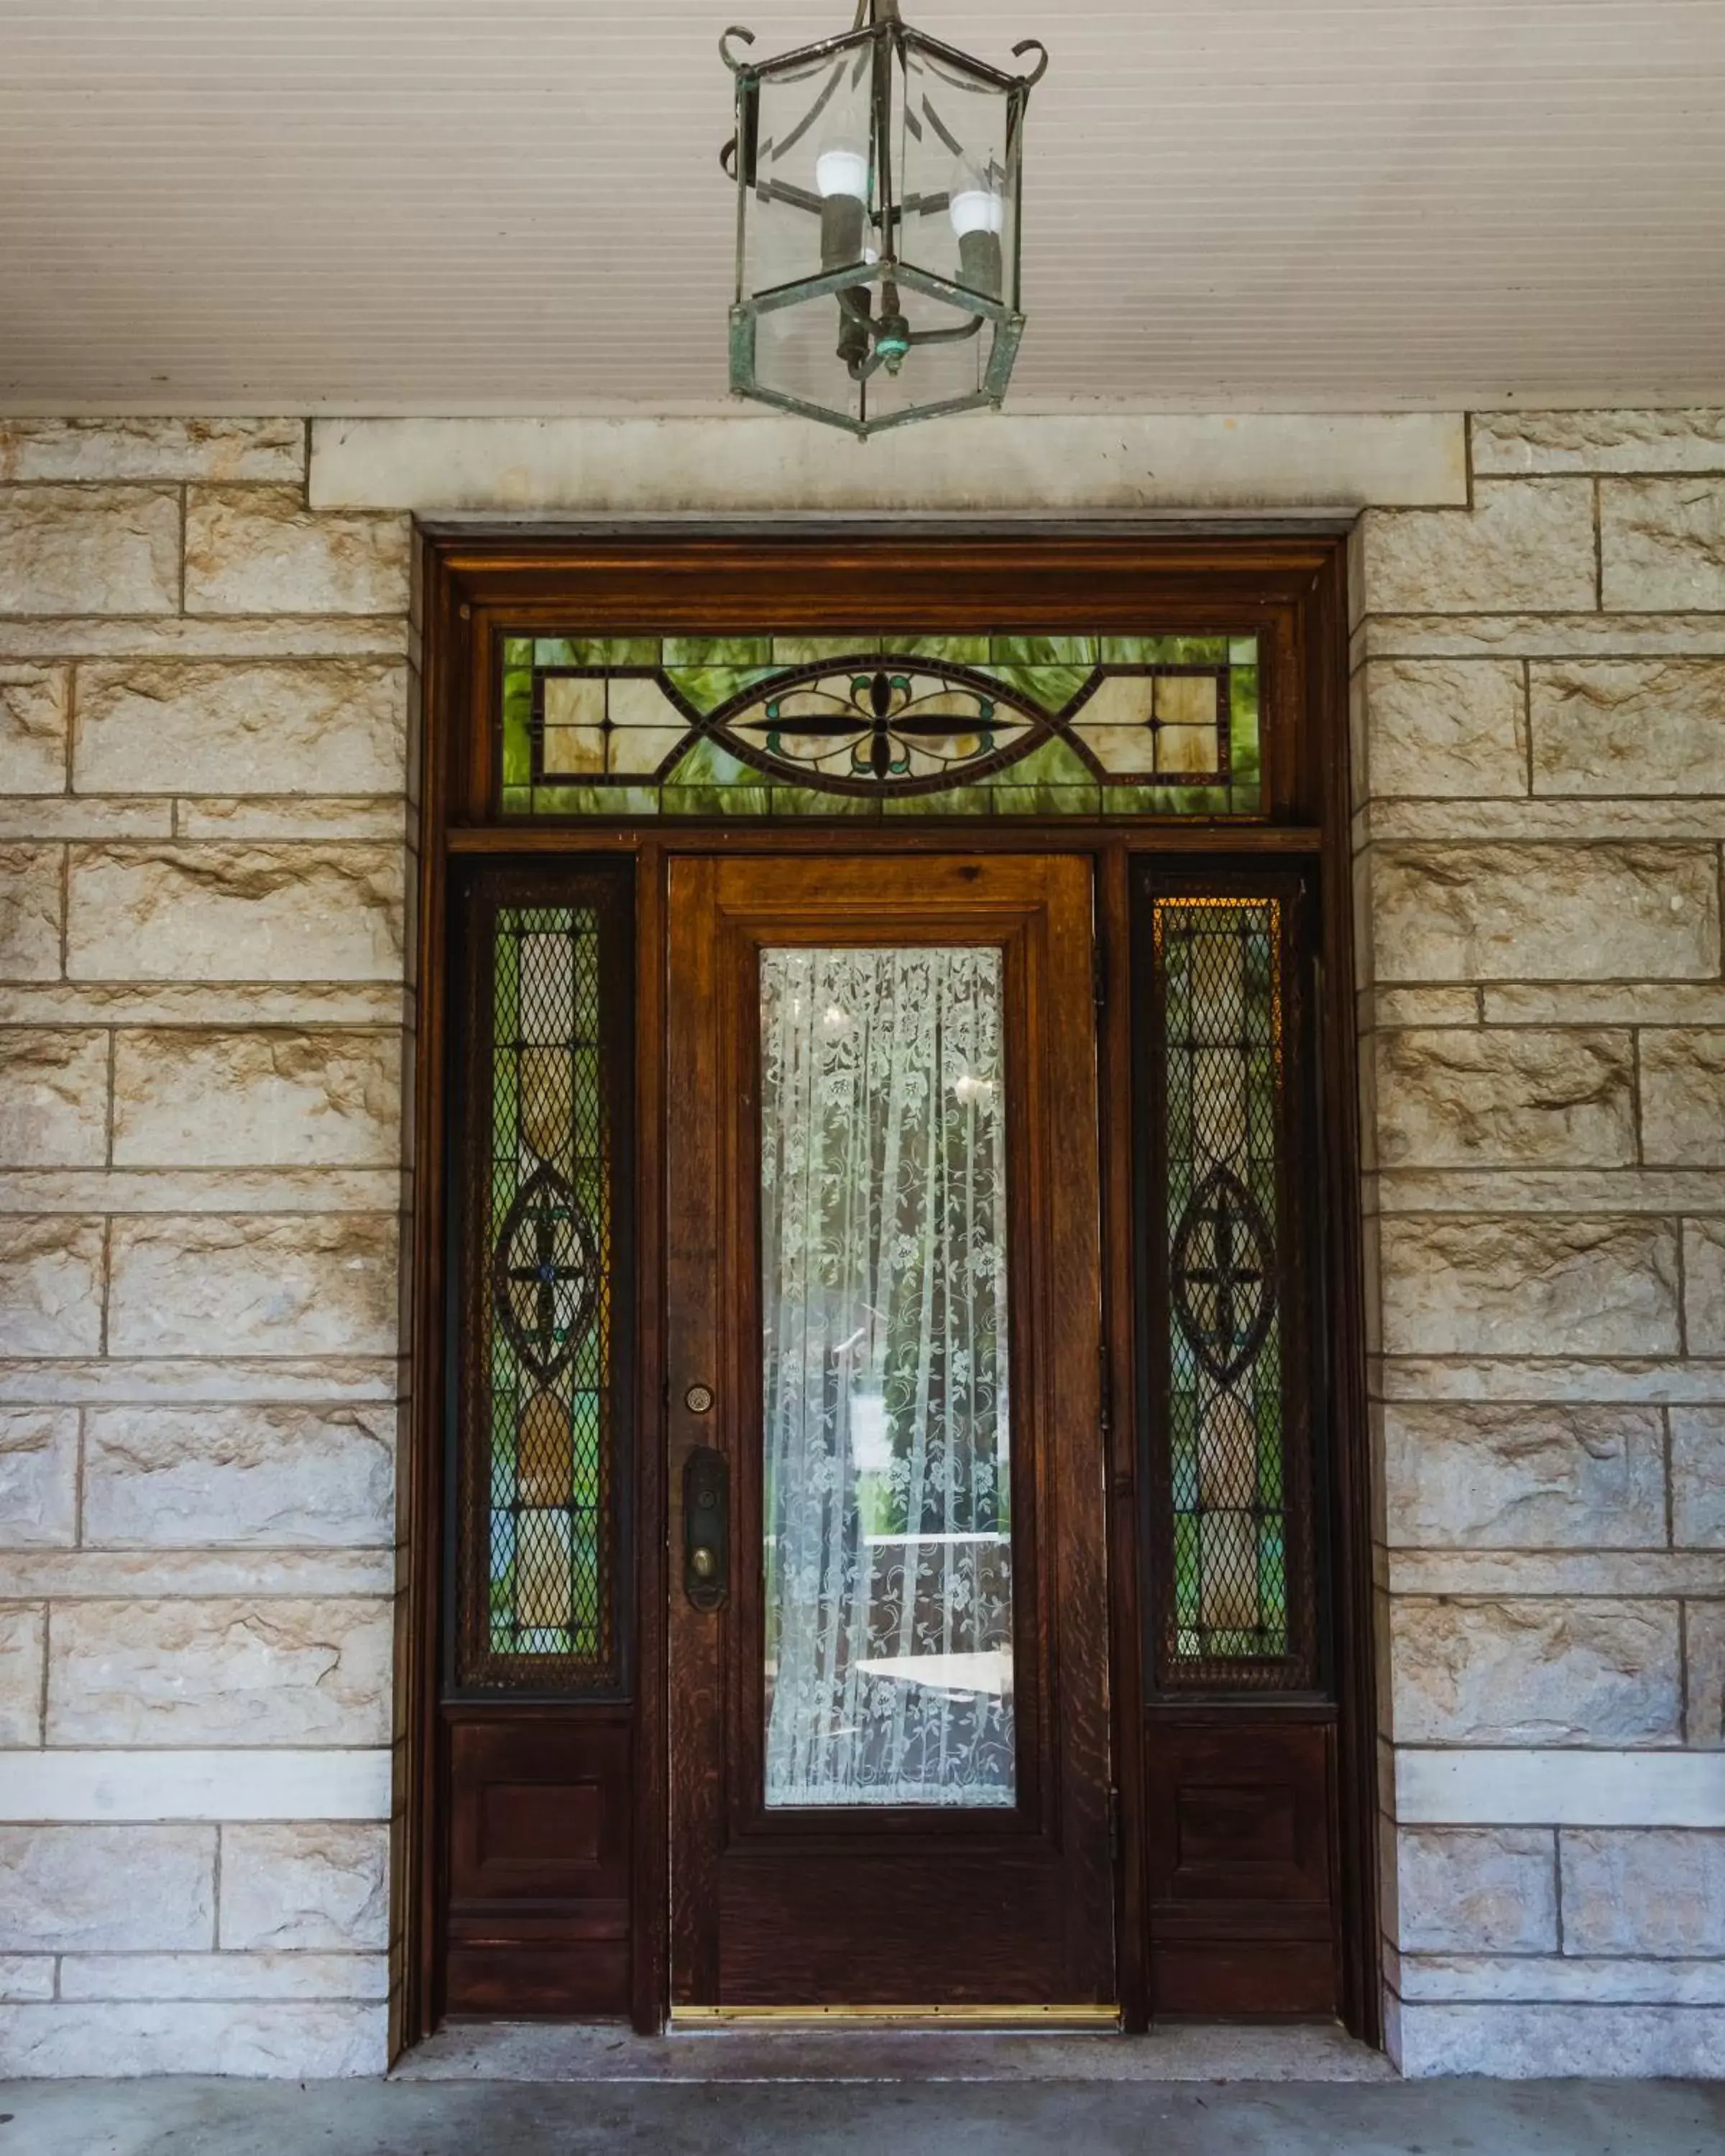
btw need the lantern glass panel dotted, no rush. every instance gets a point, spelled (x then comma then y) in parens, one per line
(958, 179)
(796, 355)
(812, 197)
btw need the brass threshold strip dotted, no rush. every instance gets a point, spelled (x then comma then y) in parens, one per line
(925, 2017)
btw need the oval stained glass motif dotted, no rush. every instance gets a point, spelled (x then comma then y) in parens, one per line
(1221, 1284)
(871, 723)
(545, 1276)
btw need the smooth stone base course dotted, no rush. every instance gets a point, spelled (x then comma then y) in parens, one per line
(1533, 2043)
(295, 2040)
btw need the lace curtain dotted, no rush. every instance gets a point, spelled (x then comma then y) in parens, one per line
(887, 1500)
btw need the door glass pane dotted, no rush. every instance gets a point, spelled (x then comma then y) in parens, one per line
(886, 1506)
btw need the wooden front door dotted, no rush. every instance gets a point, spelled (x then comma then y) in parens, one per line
(888, 1639)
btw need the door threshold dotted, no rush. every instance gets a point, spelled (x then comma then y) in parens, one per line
(1015, 2018)
(839, 2051)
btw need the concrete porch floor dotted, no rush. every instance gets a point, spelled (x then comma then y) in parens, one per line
(535, 2092)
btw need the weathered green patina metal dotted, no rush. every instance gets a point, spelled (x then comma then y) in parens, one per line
(878, 179)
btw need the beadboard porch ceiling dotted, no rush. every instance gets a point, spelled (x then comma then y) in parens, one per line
(401, 206)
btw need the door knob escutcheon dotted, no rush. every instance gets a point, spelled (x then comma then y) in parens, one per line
(707, 1528)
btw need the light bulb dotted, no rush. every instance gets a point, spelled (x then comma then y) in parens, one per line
(841, 173)
(978, 209)
(842, 170)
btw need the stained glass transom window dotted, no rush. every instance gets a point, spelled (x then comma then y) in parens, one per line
(1232, 1541)
(538, 1471)
(882, 725)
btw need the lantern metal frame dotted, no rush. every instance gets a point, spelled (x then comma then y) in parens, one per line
(890, 340)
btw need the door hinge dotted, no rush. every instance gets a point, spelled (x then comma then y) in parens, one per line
(1099, 975)
(1104, 1393)
(1114, 1823)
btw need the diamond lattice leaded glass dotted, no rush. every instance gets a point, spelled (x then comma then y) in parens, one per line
(879, 726)
(539, 1474)
(1232, 1539)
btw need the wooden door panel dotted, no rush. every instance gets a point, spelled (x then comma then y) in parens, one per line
(859, 1904)
(540, 1840)
(1240, 1837)
(794, 1929)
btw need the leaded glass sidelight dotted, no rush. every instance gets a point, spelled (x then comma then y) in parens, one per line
(1230, 1546)
(542, 1411)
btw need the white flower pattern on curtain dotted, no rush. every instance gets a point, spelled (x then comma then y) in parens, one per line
(887, 1505)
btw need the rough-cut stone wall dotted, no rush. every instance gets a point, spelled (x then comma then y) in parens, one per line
(204, 1017)
(1539, 737)
(204, 698)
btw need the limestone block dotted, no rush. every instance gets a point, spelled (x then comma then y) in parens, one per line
(1509, 1097)
(203, 1097)
(325, 726)
(33, 729)
(1683, 1096)
(1477, 1889)
(1662, 544)
(24, 1640)
(1616, 727)
(188, 1477)
(219, 1672)
(1536, 2042)
(53, 1098)
(89, 550)
(1529, 1285)
(1504, 442)
(236, 913)
(297, 816)
(1658, 1891)
(156, 1977)
(267, 1285)
(1437, 727)
(26, 1976)
(318, 1884)
(1538, 636)
(114, 1889)
(1704, 1672)
(1467, 1476)
(53, 816)
(33, 451)
(1526, 543)
(50, 1286)
(1698, 1477)
(30, 913)
(1704, 1286)
(1515, 1672)
(261, 551)
(1545, 912)
(38, 1477)
(289, 2039)
(1586, 1979)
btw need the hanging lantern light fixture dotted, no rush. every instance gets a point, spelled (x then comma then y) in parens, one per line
(878, 180)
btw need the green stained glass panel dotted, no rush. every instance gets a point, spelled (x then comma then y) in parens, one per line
(881, 723)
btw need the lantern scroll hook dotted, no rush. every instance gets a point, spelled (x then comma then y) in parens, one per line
(736, 30)
(1032, 45)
